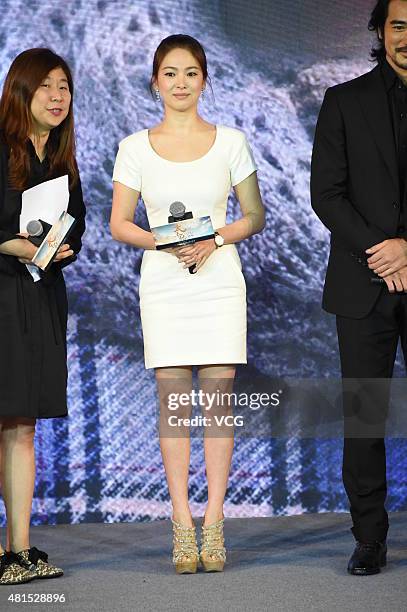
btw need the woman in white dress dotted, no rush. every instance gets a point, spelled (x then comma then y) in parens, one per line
(189, 319)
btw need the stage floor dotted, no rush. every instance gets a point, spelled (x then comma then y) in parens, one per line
(276, 564)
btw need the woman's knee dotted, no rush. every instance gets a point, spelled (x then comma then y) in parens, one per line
(19, 431)
(174, 390)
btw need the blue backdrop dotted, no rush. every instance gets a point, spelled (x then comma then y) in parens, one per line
(269, 68)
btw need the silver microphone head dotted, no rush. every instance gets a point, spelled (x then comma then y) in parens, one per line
(35, 228)
(177, 209)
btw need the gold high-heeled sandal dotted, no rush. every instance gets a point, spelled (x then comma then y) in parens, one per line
(185, 554)
(213, 552)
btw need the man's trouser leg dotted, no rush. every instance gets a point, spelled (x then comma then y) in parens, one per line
(368, 349)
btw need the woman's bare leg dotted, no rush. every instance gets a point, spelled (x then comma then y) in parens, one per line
(175, 441)
(218, 441)
(17, 479)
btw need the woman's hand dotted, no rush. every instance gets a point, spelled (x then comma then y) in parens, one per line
(27, 250)
(64, 251)
(196, 253)
(30, 250)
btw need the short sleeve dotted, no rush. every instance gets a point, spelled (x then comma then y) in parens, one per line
(242, 162)
(127, 167)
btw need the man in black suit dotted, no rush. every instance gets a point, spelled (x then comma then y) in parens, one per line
(358, 190)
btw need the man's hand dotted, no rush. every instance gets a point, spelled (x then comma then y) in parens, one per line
(397, 282)
(388, 256)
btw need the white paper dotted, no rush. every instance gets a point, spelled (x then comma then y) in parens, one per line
(45, 201)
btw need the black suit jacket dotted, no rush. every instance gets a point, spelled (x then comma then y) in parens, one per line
(355, 187)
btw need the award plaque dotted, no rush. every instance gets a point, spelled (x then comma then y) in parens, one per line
(183, 232)
(56, 236)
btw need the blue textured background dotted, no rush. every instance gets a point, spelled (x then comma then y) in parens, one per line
(269, 68)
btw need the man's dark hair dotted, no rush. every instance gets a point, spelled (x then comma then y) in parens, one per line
(376, 24)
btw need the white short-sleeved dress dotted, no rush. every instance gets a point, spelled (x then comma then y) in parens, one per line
(189, 319)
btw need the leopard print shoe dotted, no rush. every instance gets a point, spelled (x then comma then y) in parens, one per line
(37, 561)
(11, 572)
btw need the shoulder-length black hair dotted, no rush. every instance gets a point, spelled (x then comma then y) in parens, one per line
(376, 24)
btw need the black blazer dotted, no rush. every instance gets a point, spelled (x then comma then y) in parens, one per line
(355, 187)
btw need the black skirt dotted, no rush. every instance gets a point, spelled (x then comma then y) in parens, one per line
(33, 370)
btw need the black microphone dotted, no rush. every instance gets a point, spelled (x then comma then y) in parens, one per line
(178, 213)
(37, 230)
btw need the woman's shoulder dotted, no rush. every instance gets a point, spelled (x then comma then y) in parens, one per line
(135, 140)
(231, 136)
(232, 133)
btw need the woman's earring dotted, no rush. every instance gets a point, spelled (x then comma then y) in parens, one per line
(203, 95)
(157, 95)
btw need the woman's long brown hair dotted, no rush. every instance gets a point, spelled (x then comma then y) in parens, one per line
(26, 74)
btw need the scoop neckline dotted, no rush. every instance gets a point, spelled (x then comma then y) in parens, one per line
(192, 161)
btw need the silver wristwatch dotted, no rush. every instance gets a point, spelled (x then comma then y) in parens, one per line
(219, 240)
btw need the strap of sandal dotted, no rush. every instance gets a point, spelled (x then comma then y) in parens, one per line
(184, 542)
(213, 540)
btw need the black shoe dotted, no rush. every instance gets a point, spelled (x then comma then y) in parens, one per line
(367, 558)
